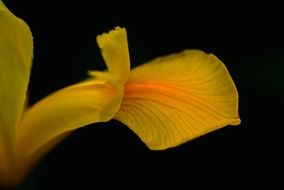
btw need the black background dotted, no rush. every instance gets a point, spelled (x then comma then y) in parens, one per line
(248, 38)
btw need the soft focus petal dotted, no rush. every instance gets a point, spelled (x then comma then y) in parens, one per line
(16, 52)
(114, 49)
(44, 124)
(179, 97)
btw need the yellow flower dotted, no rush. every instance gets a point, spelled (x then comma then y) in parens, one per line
(166, 102)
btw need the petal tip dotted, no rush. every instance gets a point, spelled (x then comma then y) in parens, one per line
(236, 122)
(105, 38)
(114, 49)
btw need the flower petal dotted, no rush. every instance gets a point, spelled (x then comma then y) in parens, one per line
(179, 97)
(44, 124)
(114, 47)
(16, 52)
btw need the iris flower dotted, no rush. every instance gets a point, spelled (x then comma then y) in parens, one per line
(166, 102)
